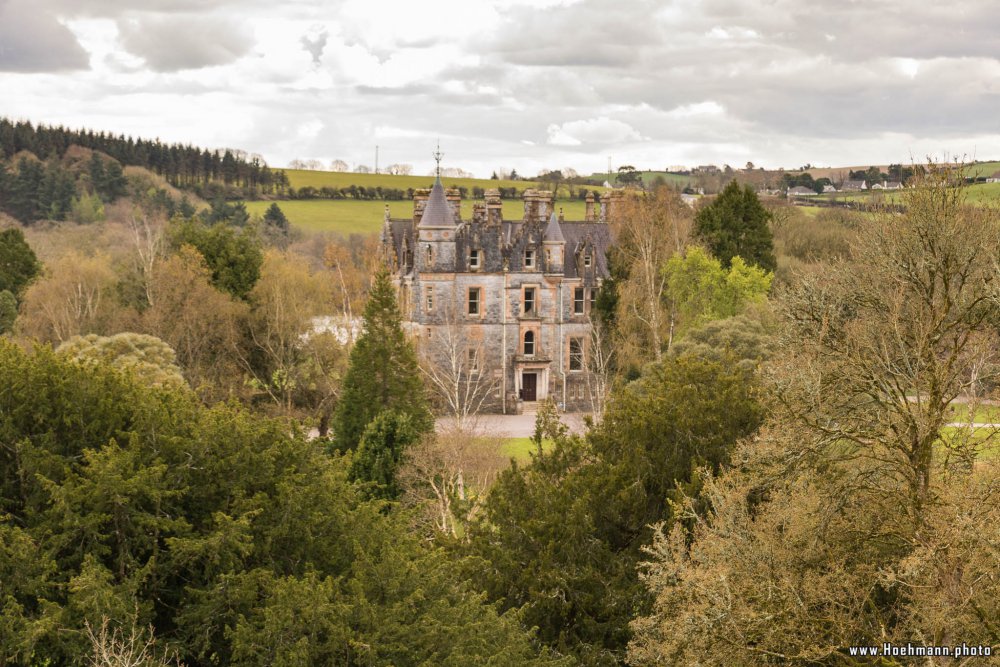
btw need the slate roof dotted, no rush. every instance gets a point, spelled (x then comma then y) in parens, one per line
(437, 213)
(552, 232)
(576, 233)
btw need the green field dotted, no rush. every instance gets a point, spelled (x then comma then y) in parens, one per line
(981, 169)
(340, 179)
(649, 176)
(349, 216)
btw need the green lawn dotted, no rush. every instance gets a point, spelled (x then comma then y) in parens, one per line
(349, 216)
(521, 449)
(984, 414)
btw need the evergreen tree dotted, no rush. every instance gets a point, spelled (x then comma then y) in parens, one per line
(275, 217)
(736, 223)
(383, 372)
(8, 311)
(380, 453)
(18, 263)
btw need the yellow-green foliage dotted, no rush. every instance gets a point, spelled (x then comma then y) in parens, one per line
(700, 290)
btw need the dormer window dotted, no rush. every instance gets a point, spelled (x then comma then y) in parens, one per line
(529, 259)
(475, 256)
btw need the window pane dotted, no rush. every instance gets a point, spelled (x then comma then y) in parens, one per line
(474, 301)
(576, 354)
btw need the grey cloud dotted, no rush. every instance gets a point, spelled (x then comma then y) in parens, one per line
(172, 43)
(314, 44)
(32, 40)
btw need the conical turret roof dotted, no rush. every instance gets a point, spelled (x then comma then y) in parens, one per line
(553, 232)
(438, 212)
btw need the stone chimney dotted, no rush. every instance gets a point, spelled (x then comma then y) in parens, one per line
(420, 202)
(589, 215)
(479, 212)
(494, 207)
(530, 204)
(455, 201)
(611, 204)
(544, 205)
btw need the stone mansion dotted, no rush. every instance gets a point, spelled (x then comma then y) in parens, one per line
(517, 292)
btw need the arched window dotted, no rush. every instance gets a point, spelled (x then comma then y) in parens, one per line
(430, 254)
(529, 343)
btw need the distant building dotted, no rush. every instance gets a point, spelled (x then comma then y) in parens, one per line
(828, 189)
(520, 292)
(854, 186)
(801, 191)
(995, 178)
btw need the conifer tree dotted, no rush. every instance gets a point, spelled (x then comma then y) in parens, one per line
(383, 372)
(736, 223)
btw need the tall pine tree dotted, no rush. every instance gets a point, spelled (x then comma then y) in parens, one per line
(383, 372)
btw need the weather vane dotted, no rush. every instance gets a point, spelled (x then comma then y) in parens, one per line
(437, 158)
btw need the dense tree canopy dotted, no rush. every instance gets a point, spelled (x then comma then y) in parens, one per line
(734, 224)
(235, 539)
(560, 539)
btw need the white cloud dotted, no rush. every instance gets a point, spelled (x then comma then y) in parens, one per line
(598, 131)
(515, 83)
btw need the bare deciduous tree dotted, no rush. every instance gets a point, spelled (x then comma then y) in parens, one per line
(648, 229)
(448, 475)
(458, 364)
(131, 647)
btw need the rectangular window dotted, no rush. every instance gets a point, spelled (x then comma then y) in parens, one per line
(578, 301)
(587, 259)
(529, 259)
(593, 298)
(474, 259)
(576, 354)
(473, 358)
(474, 300)
(430, 297)
(529, 300)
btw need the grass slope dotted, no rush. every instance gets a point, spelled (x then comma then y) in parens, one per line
(349, 216)
(341, 179)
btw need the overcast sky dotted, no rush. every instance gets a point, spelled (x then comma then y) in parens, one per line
(509, 83)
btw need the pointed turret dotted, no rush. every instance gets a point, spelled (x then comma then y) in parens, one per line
(555, 245)
(553, 232)
(438, 212)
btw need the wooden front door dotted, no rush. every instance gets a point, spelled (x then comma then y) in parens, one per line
(529, 382)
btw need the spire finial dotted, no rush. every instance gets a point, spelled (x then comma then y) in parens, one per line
(437, 158)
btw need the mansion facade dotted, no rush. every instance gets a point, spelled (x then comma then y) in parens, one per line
(504, 304)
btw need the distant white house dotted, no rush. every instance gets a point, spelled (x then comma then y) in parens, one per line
(801, 191)
(995, 178)
(828, 188)
(854, 186)
(888, 185)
